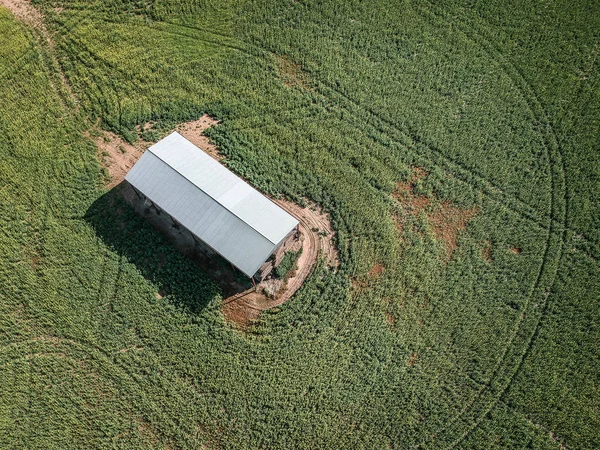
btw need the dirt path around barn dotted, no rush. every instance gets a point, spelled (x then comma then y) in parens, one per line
(316, 234)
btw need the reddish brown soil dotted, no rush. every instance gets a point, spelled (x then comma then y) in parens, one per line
(412, 359)
(447, 222)
(516, 250)
(316, 235)
(116, 155)
(445, 219)
(486, 251)
(363, 282)
(192, 131)
(291, 73)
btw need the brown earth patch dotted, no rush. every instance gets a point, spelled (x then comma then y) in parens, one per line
(486, 251)
(291, 73)
(116, 155)
(390, 318)
(24, 11)
(193, 132)
(363, 282)
(316, 239)
(445, 219)
(447, 222)
(412, 359)
(516, 250)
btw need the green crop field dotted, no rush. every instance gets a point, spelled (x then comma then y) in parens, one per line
(456, 146)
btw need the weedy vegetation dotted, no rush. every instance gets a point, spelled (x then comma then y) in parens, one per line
(111, 339)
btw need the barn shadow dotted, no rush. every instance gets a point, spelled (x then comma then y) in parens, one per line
(165, 254)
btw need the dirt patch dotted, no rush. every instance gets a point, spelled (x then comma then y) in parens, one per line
(447, 222)
(24, 11)
(116, 155)
(412, 359)
(363, 282)
(390, 318)
(516, 250)
(486, 251)
(445, 219)
(192, 131)
(292, 74)
(316, 238)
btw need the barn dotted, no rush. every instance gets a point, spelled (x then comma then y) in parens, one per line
(223, 213)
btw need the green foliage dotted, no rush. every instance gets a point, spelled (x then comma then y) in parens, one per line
(287, 263)
(109, 338)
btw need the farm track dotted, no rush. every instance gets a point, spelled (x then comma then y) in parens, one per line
(108, 366)
(28, 14)
(554, 220)
(410, 138)
(558, 213)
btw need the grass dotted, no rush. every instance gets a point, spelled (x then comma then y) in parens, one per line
(404, 346)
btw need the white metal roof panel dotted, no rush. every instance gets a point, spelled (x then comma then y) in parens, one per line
(214, 224)
(224, 187)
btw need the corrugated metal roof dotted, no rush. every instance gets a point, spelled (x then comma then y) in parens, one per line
(221, 209)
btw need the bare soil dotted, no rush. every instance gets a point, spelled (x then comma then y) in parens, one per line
(24, 11)
(192, 131)
(445, 219)
(412, 359)
(363, 282)
(292, 74)
(117, 155)
(516, 250)
(486, 251)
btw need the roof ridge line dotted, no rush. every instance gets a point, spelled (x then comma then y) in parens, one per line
(214, 199)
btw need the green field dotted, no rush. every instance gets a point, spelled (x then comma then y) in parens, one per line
(409, 344)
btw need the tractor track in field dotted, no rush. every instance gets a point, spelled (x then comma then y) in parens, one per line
(557, 217)
(108, 367)
(25, 12)
(558, 213)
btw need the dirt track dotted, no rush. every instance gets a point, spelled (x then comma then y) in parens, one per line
(24, 11)
(317, 240)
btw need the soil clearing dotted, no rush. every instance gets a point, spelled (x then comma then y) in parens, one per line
(24, 11)
(242, 305)
(292, 74)
(445, 219)
(362, 283)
